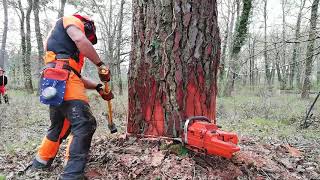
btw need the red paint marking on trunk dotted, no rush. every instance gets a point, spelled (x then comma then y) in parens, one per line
(208, 50)
(186, 19)
(197, 105)
(180, 95)
(141, 35)
(212, 110)
(177, 39)
(204, 108)
(148, 113)
(201, 84)
(190, 99)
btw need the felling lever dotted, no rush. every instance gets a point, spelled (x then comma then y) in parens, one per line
(202, 135)
(112, 127)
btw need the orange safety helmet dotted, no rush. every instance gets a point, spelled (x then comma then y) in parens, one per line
(89, 28)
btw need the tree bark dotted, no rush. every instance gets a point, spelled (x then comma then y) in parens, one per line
(61, 10)
(174, 63)
(309, 59)
(294, 70)
(27, 65)
(4, 35)
(118, 46)
(238, 41)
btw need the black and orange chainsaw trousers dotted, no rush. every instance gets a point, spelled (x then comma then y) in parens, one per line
(72, 117)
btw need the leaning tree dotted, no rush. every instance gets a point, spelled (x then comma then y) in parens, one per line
(174, 63)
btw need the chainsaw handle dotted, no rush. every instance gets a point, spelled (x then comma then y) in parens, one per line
(189, 121)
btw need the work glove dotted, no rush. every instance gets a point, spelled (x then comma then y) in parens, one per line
(104, 73)
(102, 91)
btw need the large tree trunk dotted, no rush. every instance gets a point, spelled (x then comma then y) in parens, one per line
(62, 4)
(238, 41)
(27, 64)
(4, 35)
(309, 59)
(118, 46)
(174, 61)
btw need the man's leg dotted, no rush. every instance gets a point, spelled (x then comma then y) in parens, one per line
(59, 130)
(83, 126)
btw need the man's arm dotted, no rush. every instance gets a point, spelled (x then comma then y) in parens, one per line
(83, 44)
(89, 84)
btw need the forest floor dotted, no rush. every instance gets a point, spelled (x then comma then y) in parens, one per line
(273, 146)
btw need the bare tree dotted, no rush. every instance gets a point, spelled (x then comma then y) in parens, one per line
(252, 59)
(5, 31)
(27, 64)
(265, 48)
(310, 49)
(238, 41)
(294, 69)
(62, 4)
(38, 33)
(118, 46)
(225, 43)
(173, 68)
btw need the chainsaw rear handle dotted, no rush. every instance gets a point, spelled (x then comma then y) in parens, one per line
(189, 121)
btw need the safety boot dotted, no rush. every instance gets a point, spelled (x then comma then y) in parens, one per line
(6, 99)
(40, 166)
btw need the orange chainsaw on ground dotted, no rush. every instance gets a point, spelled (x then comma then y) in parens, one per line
(199, 134)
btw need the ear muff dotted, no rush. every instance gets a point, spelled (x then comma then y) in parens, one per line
(90, 31)
(89, 28)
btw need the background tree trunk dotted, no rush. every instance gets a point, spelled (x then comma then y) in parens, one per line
(238, 41)
(118, 46)
(38, 33)
(295, 69)
(309, 59)
(224, 46)
(284, 74)
(61, 10)
(4, 35)
(252, 59)
(265, 49)
(173, 69)
(21, 15)
(27, 64)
